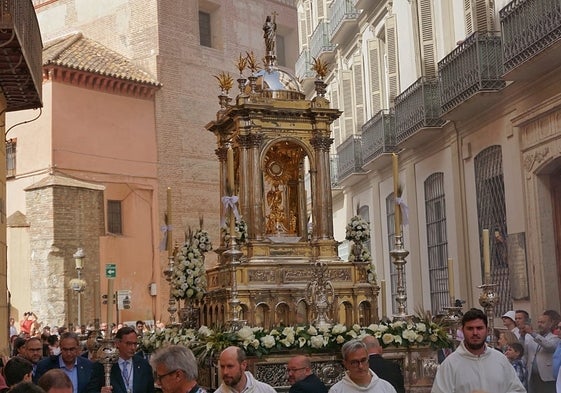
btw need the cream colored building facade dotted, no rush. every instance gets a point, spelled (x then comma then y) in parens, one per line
(467, 93)
(181, 45)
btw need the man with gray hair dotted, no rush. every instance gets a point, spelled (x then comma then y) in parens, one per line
(359, 377)
(175, 369)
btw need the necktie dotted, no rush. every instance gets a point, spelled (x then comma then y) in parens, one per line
(126, 375)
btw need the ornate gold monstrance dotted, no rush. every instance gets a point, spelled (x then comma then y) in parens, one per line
(281, 177)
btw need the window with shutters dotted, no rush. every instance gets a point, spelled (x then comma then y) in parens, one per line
(358, 82)
(205, 29)
(428, 59)
(337, 138)
(375, 75)
(391, 58)
(390, 221)
(437, 241)
(114, 217)
(491, 213)
(302, 27)
(11, 157)
(479, 16)
(348, 120)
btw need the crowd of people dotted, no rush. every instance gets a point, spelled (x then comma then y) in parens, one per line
(525, 359)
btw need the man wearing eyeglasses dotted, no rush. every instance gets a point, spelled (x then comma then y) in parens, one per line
(33, 351)
(78, 369)
(301, 378)
(176, 370)
(359, 377)
(132, 373)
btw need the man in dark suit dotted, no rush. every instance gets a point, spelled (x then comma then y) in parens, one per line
(132, 373)
(301, 377)
(78, 369)
(384, 368)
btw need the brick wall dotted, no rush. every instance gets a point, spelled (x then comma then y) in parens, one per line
(61, 220)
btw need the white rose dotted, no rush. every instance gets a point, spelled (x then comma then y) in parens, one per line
(268, 341)
(387, 338)
(312, 331)
(316, 342)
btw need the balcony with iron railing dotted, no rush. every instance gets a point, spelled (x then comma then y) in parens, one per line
(320, 45)
(349, 163)
(417, 113)
(378, 139)
(474, 67)
(343, 20)
(303, 66)
(20, 55)
(531, 32)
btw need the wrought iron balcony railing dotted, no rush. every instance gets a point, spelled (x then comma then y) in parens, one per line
(378, 135)
(303, 65)
(319, 41)
(528, 28)
(350, 157)
(475, 65)
(416, 108)
(20, 55)
(342, 11)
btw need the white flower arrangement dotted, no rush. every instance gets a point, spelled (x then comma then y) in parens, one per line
(188, 279)
(357, 230)
(201, 240)
(240, 231)
(256, 341)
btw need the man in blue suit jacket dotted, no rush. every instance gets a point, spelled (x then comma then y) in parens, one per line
(132, 373)
(78, 369)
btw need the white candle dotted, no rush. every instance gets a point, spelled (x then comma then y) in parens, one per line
(397, 215)
(168, 224)
(383, 292)
(230, 166)
(486, 257)
(451, 279)
(230, 186)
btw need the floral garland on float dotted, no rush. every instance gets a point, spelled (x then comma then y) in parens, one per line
(358, 231)
(206, 343)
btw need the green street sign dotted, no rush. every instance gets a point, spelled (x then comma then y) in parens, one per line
(110, 270)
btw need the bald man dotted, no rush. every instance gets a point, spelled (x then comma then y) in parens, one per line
(301, 377)
(384, 368)
(235, 378)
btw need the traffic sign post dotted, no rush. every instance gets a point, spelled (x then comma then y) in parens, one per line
(110, 273)
(110, 270)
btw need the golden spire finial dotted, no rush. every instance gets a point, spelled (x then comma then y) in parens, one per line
(320, 67)
(241, 63)
(251, 62)
(225, 81)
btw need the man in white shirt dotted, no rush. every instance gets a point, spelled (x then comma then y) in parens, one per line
(359, 377)
(474, 366)
(235, 378)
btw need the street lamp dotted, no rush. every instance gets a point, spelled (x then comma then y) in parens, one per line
(77, 284)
